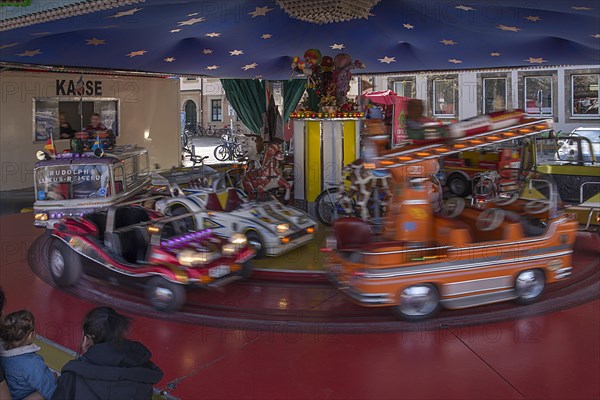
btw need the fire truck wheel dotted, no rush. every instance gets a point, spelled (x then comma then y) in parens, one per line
(164, 295)
(64, 263)
(418, 302)
(529, 285)
(459, 185)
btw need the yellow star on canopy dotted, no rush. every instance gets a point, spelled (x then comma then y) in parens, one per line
(595, 36)
(455, 61)
(532, 18)
(387, 59)
(30, 53)
(192, 14)
(582, 8)
(260, 11)
(95, 42)
(136, 53)
(509, 28)
(533, 60)
(495, 54)
(170, 59)
(236, 52)
(448, 42)
(336, 46)
(266, 36)
(408, 26)
(6, 46)
(175, 30)
(465, 8)
(125, 13)
(249, 66)
(212, 67)
(191, 21)
(213, 34)
(207, 51)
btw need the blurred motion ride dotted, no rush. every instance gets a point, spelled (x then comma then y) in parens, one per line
(130, 242)
(460, 256)
(271, 227)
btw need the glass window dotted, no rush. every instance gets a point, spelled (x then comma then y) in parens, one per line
(78, 181)
(119, 180)
(405, 88)
(585, 94)
(444, 98)
(216, 110)
(538, 95)
(494, 94)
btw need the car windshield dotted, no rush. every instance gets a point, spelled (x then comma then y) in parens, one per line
(65, 182)
(592, 135)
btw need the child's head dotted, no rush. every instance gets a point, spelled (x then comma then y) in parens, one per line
(18, 329)
(103, 324)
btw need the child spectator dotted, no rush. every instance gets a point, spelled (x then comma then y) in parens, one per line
(26, 372)
(110, 367)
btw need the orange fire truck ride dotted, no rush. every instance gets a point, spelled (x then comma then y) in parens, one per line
(457, 257)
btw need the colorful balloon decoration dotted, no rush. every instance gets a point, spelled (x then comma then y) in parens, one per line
(328, 79)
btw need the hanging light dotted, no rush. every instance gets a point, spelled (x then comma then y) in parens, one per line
(327, 11)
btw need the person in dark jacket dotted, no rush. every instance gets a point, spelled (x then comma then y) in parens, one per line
(110, 367)
(4, 391)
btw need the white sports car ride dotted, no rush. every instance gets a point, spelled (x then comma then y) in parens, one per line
(270, 227)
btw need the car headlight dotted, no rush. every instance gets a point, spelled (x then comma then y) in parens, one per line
(239, 239)
(190, 258)
(282, 228)
(41, 217)
(229, 249)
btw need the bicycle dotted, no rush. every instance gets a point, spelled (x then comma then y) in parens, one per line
(210, 130)
(228, 150)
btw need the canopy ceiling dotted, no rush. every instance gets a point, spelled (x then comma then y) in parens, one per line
(246, 39)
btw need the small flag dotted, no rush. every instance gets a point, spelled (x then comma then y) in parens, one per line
(49, 146)
(98, 146)
(79, 86)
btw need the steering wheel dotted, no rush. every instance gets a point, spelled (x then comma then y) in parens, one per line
(537, 206)
(453, 207)
(490, 219)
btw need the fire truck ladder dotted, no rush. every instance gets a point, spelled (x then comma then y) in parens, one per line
(416, 154)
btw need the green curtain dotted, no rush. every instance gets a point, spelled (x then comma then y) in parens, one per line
(247, 97)
(292, 93)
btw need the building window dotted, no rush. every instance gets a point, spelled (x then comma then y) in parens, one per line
(216, 110)
(584, 92)
(404, 88)
(444, 98)
(494, 95)
(538, 95)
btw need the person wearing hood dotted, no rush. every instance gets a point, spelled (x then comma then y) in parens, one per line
(111, 366)
(26, 372)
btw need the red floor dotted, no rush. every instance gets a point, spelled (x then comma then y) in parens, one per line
(555, 356)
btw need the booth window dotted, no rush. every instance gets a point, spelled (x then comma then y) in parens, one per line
(444, 98)
(61, 118)
(584, 95)
(538, 95)
(494, 95)
(216, 110)
(404, 87)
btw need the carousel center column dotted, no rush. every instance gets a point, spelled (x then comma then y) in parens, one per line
(323, 146)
